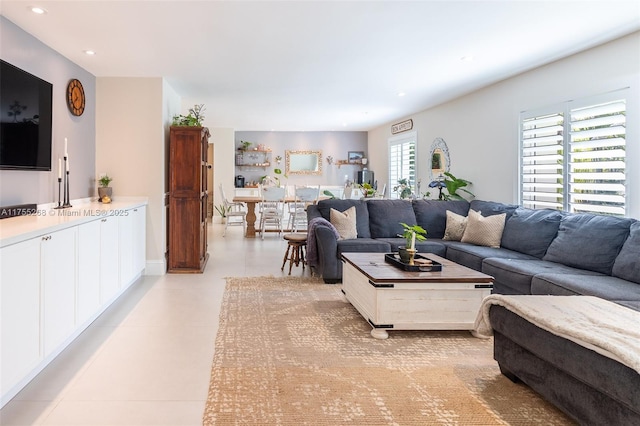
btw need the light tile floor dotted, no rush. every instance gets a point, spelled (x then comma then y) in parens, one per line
(147, 359)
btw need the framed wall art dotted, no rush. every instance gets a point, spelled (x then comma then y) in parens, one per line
(355, 157)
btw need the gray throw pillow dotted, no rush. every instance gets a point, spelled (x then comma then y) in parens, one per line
(627, 264)
(531, 231)
(589, 241)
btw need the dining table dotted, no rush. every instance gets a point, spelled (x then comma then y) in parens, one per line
(251, 201)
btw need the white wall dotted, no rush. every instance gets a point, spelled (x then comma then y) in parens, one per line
(481, 129)
(131, 146)
(223, 166)
(17, 187)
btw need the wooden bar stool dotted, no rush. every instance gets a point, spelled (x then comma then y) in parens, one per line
(296, 244)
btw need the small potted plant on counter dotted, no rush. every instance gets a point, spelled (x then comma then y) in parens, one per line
(104, 190)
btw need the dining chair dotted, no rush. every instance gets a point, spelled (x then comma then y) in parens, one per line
(348, 189)
(234, 211)
(272, 208)
(304, 195)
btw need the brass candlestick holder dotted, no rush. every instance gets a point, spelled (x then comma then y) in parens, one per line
(412, 255)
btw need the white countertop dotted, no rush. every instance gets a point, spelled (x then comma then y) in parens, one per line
(48, 219)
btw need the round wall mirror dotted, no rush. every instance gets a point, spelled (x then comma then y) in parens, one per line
(439, 158)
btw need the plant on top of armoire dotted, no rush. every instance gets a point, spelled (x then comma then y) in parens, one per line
(194, 118)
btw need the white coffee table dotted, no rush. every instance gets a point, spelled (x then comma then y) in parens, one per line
(390, 298)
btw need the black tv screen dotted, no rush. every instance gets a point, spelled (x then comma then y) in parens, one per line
(25, 121)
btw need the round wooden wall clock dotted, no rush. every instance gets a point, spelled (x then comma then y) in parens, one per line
(75, 97)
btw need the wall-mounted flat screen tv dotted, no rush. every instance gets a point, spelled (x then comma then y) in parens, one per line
(25, 120)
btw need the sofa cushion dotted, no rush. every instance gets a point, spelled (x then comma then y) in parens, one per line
(531, 231)
(484, 231)
(385, 217)
(345, 222)
(362, 213)
(490, 208)
(627, 264)
(589, 241)
(431, 214)
(516, 274)
(603, 286)
(436, 246)
(362, 245)
(456, 225)
(472, 256)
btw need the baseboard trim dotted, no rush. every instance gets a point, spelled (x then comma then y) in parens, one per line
(155, 267)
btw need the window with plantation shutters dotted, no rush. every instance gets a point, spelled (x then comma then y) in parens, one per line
(402, 161)
(573, 157)
(543, 161)
(597, 159)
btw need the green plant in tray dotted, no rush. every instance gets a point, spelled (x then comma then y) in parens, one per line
(408, 232)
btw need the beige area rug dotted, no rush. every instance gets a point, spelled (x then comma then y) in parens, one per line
(292, 351)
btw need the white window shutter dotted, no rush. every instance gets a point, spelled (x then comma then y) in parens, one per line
(597, 159)
(402, 162)
(542, 161)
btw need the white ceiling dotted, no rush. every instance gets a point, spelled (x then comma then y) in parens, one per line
(320, 65)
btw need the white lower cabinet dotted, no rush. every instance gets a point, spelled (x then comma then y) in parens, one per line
(132, 244)
(88, 296)
(20, 311)
(58, 286)
(37, 293)
(139, 215)
(109, 259)
(52, 286)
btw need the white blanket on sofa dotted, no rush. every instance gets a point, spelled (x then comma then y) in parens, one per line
(605, 327)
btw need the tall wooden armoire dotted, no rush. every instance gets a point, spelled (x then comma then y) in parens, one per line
(187, 234)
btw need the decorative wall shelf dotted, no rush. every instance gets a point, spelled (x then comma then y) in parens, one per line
(254, 165)
(341, 163)
(253, 158)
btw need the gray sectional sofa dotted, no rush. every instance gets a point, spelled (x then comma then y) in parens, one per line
(541, 252)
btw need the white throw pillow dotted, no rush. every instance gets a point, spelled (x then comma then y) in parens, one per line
(344, 222)
(456, 225)
(484, 231)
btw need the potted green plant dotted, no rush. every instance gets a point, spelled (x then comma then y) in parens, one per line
(194, 118)
(275, 179)
(104, 190)
(453, 184)
(222, 209)
(367, 190)
(328, 194)
(403, 188)
(408, 234)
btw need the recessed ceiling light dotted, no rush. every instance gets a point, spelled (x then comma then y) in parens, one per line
(38, 10)
(401, 94)
(90, 52)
